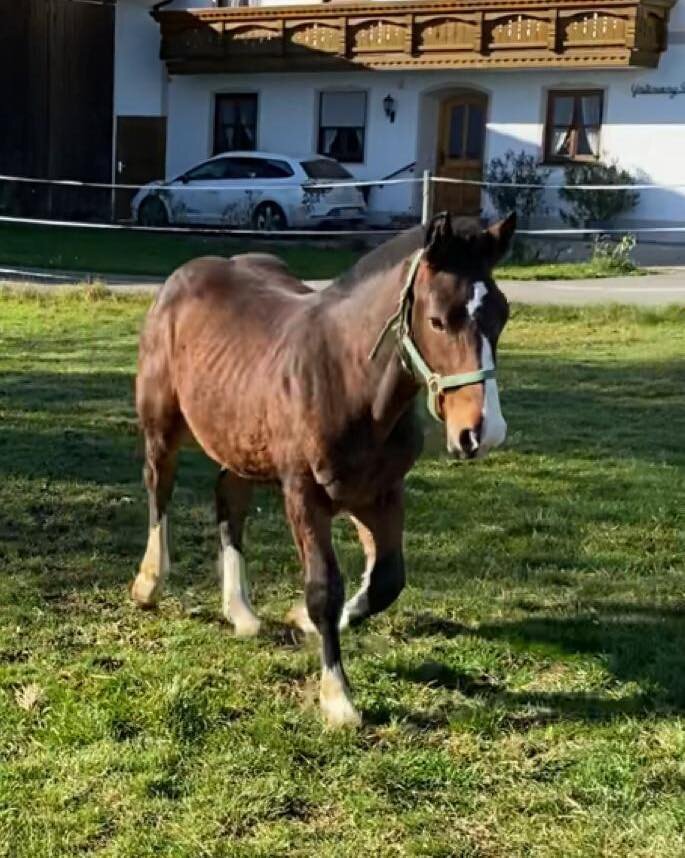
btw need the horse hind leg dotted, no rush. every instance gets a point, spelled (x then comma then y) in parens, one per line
(379, 528)
(161, 451)
(232, 503)
(164, 428)
(380, 532)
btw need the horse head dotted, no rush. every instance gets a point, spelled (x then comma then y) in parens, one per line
(456, 316)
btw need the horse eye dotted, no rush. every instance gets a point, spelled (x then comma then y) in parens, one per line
(436, 322)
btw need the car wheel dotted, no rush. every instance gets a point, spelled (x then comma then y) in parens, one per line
(269, 216)
(152, 213)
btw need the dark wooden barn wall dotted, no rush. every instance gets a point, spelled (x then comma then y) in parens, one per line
(56, 102)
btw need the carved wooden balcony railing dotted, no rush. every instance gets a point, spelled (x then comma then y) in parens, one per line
(426, 34)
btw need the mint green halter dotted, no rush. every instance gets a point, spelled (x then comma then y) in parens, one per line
(412, 357)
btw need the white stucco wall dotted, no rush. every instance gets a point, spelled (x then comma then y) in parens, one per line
(645, 134)
(139, 76)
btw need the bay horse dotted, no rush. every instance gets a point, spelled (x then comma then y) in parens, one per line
(313, 390)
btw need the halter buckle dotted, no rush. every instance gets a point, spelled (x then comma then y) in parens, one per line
(433, 384)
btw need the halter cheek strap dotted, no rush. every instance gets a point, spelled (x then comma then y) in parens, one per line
(436, 383)
(412, 357)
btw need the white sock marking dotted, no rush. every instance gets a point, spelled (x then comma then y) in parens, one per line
(298, 616)
(336, 705)
(494, 429)
(154, 567)
(236, 602)
(350, 607)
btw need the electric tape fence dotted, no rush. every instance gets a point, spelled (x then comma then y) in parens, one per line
(427, 181)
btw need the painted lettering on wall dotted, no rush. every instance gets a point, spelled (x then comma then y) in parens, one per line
(647, 89)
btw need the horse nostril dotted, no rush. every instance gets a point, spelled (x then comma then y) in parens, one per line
(468, 441)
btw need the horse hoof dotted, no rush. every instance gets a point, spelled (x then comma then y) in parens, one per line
(298, 616)
(145, 592)
(247, 627)
(336, 707)
(340, 715)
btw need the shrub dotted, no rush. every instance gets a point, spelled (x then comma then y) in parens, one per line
(586, 208)
(614, 256)
(516, 168)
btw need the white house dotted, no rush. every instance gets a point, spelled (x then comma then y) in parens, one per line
(393, 88)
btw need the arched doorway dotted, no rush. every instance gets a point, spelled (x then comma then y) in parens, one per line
(460, 146)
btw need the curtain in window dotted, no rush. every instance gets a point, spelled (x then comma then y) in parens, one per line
(342, 118)
(589, 121)
(236, 122)
(562, 120)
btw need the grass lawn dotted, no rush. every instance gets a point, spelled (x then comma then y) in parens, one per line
(592, 269)
(144, 255)
(526, 697)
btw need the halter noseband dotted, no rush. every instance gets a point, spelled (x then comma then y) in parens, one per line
(411, 356)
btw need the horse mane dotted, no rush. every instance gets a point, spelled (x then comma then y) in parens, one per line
(382, 258)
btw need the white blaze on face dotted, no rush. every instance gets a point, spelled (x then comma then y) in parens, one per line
(494, 427)
(479, 293)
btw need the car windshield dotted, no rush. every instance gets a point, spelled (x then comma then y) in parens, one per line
(325, 168)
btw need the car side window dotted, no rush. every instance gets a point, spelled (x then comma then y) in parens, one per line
(206, 172)
(277, 169)
(264, 168)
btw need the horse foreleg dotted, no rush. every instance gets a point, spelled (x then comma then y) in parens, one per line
(232, 502)
(380, 531)
(310, 519)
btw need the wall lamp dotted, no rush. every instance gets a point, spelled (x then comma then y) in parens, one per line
(390, 107)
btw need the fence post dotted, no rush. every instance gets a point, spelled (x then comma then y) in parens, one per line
(426, 199)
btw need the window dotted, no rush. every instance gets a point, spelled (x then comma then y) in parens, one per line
(342, 121)
(324, 168)
(235, 123)
(574, 120)
(466, 131)
(219, 169)
(265, 168)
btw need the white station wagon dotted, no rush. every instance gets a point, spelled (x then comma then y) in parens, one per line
(261, 190)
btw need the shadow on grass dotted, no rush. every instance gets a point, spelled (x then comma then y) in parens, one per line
(634, 410)
(641, 644)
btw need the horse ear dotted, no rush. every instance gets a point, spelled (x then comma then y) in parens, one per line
(439, 236)
(499, 237)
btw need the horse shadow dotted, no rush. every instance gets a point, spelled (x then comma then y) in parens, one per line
(641, 646)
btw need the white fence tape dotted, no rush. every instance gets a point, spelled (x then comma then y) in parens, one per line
(353, 183)
(555, 187)
(308, 233)
(192, 230)
(228, 231)
(313, 184)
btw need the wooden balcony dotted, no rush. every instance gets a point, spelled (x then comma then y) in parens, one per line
(429, 34)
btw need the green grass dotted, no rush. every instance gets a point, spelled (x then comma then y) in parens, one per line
(526, 697)
(150, 254)
(590, 270)
(153, 255)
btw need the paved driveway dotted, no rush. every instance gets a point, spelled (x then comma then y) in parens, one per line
(649, 290)
(666, 287)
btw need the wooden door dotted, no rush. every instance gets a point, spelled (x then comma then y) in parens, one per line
(141, 156)
(56, 85)
(461, 138)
